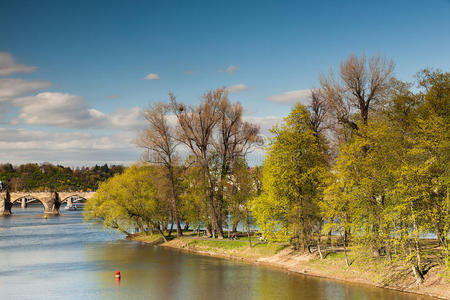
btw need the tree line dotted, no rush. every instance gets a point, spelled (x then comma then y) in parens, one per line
(369, 160)
(366, 159)
(49, 177)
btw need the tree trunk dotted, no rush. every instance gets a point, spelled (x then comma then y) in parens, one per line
(209, 231)
(213, 213)
(345, 238)
(318, 247)
(171, 229)
(346, 257)
(417, 274)
(417, 245)
(249, 237)
(174, 199)
(162, 233)
(116, 226)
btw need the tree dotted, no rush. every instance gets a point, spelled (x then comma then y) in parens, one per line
(240, 190)
(195, 130)
(292, 179)
(362, 85)
(159, 141)
(194, 208)
(234, 139)
(129, 200)
(390, 181)
(216, 136)
(423, 178)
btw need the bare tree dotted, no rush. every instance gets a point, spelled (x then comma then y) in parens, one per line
(195, 130)
(318, 109)
(217, 135)
(363, 85)
(159, 141)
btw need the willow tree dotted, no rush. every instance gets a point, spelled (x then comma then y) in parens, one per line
(127, 201)
(292, 181)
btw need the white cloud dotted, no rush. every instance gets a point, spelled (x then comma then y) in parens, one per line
(295, 96)
(127, 118)
(231, 69)
(189, 73)
(71, 111)
(9, 66)
(237, 88)
(57, 109)
(13, 87)
(152, 76)
(265, 123)
(73, 148)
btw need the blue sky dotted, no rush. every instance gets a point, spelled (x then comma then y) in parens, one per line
(93, 57)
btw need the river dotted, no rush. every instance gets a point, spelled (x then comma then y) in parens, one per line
(63, 258)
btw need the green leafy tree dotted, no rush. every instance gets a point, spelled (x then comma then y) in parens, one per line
(129, 200)
(292, 180)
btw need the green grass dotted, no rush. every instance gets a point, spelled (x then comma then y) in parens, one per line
(237, 248)
(217, 244)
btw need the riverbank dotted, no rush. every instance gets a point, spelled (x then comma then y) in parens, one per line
(283, 257)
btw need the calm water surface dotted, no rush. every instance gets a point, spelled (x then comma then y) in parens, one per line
(64, 258)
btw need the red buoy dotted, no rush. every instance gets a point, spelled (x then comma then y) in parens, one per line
(117, 274)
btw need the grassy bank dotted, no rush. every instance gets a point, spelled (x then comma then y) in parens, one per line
(333, 266)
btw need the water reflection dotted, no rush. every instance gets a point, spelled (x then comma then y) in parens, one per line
(62, 258)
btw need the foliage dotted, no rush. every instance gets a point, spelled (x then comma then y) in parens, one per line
(45, 177)
(128, 200)
(390, 181)
(292, 180)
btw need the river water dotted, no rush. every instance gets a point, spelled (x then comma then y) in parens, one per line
(64, 258)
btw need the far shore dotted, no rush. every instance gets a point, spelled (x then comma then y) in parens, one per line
(283, 257)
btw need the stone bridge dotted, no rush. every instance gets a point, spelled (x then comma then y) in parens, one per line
(50, 200)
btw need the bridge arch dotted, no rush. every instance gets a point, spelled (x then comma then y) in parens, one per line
(67, 198)
(30, 196)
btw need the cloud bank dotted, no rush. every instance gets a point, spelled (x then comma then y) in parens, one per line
(67, 148)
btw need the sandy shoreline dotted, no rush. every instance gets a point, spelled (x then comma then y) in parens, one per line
(287, 260)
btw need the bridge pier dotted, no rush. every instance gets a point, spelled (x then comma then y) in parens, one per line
(5, 204)
(24, 203)
(52, 205)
